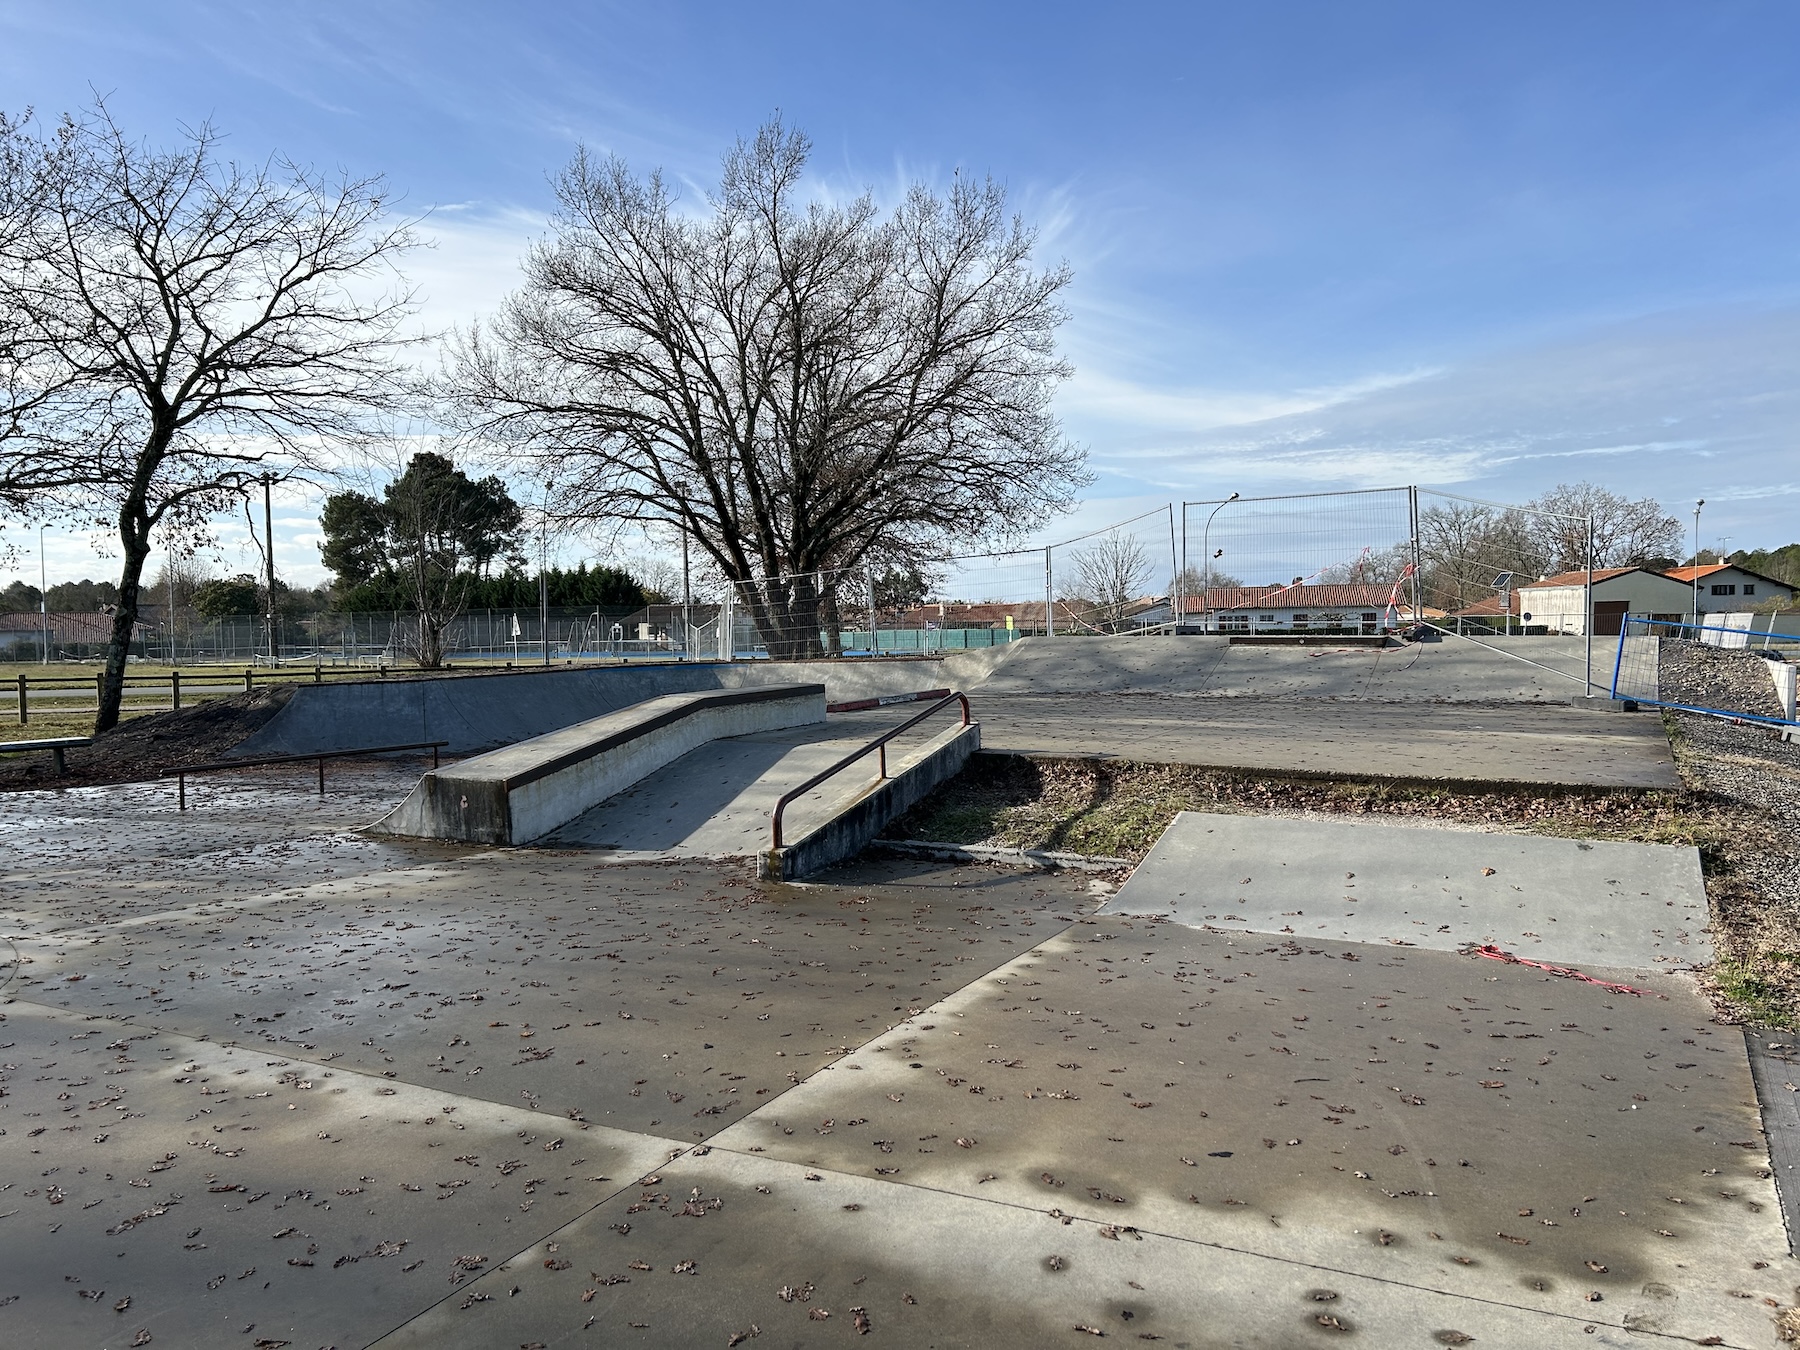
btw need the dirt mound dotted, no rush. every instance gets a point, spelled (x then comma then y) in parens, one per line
(144, 746)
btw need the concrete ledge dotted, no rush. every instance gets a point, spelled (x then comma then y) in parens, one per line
(522, 792)
(856, 825)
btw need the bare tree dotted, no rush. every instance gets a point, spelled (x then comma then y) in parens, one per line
(183, 326)
(1626, 532)
(797, 386)
(1465, 549)
(1111, 572)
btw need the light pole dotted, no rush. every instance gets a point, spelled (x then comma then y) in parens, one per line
(1697, 505)
(1206, 549)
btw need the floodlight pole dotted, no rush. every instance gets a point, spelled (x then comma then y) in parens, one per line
(1206, 549)
(1697, 505)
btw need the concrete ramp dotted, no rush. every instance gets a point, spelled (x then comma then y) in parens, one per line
(523, 792)
(716, 802)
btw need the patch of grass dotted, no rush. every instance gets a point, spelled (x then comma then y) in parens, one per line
(1755, 990)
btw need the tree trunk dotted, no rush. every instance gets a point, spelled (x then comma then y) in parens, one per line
(134, 534)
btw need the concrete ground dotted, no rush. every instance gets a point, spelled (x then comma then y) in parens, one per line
(270, 1081)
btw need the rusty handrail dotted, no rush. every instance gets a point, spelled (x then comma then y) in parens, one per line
(878, 744)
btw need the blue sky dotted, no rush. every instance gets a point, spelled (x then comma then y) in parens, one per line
(1315, 244)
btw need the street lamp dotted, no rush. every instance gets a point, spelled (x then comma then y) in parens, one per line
(1206, 549)
(1697, 505)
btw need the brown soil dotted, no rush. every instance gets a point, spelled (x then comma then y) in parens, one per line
(143, 747)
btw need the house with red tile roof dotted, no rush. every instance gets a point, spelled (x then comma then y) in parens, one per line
(1727, 588)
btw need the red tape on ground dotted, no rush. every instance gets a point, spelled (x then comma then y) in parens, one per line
(1494, 953)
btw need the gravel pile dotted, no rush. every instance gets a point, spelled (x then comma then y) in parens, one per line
(1715, 677)
(1752, 781)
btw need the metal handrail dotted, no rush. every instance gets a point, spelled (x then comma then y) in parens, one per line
(879, 744)
(215, 766)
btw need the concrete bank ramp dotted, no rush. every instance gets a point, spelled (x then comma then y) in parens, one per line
(1450, 670)
(524, 791)
(1557, 900)
(477, 712)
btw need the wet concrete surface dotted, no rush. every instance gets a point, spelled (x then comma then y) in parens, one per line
(1571, 900)
(766, 1035)
(1414, 1116)
(1452, 742)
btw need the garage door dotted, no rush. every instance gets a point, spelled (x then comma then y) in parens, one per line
(1609, 616)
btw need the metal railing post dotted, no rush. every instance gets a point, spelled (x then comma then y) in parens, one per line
(1049, 598)
(174, 691)
(24, 703)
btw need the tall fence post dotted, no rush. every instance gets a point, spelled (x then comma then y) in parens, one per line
(174, 691)
(1412, 507)
(874, 617)
(1587, 623)
(1049, 598)
(1175, 583)
(1181, 572)
(24, 706)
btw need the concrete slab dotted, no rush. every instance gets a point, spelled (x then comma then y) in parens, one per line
(725, 1248)
(1418, 1118)
(154, 1183)
(1583, 902)
(1464, 743)
(522, 792)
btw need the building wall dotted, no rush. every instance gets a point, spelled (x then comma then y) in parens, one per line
(1735, 598)
(1562, 607)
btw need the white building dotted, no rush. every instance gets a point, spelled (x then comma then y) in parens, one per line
(1559, 603)
(1728, 588)
(1360, 609)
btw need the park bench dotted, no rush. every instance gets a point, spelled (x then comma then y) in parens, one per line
(55, 745)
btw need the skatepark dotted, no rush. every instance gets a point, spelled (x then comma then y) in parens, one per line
(367, 1067)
